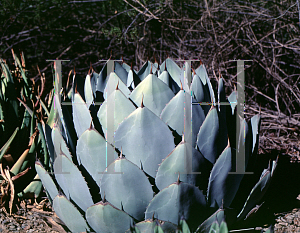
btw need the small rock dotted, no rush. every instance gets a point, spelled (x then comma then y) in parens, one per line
(283, 223)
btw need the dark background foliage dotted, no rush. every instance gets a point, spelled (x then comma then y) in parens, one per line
(88, 31)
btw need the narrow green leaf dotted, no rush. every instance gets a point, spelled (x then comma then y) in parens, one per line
(7, 144)
(33, 189)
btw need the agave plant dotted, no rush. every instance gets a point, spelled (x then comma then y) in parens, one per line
(151, 174)
(20, 142)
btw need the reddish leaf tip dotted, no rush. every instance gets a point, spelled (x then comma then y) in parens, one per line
(142, 103)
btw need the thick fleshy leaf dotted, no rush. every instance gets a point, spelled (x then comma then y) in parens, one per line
(202, 73)
(46, 180)
(211, 91)
(173, 115)
(184, 78)
(122, 109)
(92, 154)
(184, 227)
(222, 186)
(223, 135)
(70, 134)
(232, 98)
(206, 225)
(177, 201)
(258, 191)
(88, 92)
(102, 79)
(59, 143)
(144, 139)
(223, 227)
(154, 92)
(198, 118)
(112, 83)
(126, 67)
(94, 79)
(255, 125)
(78, 86)
(207, 140)
(81, 115)
(245, 142)
(191, 161)
(120, 72)
(197, 88)
(149, 226)
(173, 69)
(201, 93)
(145, 70)
(68, 213)
(165, 77)
(48, 137)
(72, 182)
(132, 80)
(215, 227)
(103, 217)
(33, 189)
(126, 187)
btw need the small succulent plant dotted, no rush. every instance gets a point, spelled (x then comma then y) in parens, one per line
(151, 174)
(20, 141)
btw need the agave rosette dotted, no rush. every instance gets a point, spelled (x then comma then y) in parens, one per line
(136, 178)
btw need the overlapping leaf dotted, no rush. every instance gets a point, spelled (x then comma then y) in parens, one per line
(176, 201)
(68, 213)
(126, 187)
(154, 92)
(104, 217)
(144, 139)
(122, 108)
(72, 182)
(81, 115)
(91, 152)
